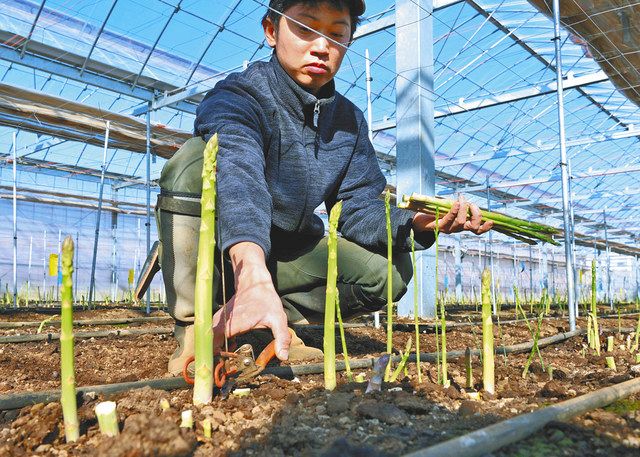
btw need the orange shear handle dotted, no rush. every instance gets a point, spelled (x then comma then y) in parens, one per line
(266, 355)
(219, 373)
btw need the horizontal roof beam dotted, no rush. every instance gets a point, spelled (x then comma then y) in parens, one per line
(40, 112)
(65, 64)
(73, 204)
(376, 26)
(541, 147)
(575, 197)
(28, 190)
(551, 178)
(464, 106)
(73, 170)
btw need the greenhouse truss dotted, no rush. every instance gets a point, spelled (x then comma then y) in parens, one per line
(75, 75)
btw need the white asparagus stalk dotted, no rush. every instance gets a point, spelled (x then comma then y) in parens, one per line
(107, 418)
(186, 419)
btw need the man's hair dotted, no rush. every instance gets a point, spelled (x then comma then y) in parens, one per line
(281, 6)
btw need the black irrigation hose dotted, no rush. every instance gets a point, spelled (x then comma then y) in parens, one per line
(19, 400)
(54, 309)
(410, 327)
(126, 320)
(493, 437)
(49, 337)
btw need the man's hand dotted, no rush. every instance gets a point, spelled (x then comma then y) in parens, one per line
(255, 304)
(456, 220)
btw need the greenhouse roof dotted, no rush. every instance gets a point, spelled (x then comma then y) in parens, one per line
(494, 96)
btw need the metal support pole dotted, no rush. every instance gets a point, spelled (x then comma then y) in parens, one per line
(15, 226)
(367, 65)
(458, 267)
(92, 283)
(44, 265)
(415, 149)
(553, 272)
(637, 294)
(148, 192)
(515, 271)
(114, 245)
(608, 252)
(573, 240)
(571, 304)
(530, 274)
(136, 260)
(493, 276)
(29, 269)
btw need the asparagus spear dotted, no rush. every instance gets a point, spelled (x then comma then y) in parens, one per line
(329, 344)
(522, 230)
(203, 326)
(67, 371)
(488, 378)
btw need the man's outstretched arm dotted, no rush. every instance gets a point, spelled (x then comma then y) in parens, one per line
(255, 304)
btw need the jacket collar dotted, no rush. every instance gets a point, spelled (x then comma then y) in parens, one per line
(294, 96)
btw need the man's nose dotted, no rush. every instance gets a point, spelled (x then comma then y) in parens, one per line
(320, 45)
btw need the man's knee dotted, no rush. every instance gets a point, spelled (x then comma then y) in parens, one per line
(374, 295)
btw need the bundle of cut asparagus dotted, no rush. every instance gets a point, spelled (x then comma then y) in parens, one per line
(528, 232)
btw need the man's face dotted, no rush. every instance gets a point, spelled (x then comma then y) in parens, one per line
(308, 57)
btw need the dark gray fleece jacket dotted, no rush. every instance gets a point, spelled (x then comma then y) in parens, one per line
(283, 152)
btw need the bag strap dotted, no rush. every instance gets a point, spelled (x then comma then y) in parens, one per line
(178, 205)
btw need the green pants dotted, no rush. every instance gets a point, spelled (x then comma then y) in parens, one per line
(298, 269)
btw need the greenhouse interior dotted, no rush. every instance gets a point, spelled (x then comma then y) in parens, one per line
(319, 227)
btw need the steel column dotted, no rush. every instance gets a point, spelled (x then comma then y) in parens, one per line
(571, 304)
(29, 269)
(553, 271)
(92, 283)
(608, 251)
(530, 275)
(114, 248)
(515, 272)
(637, 294)
(15, 223)
(367, 63)
(148, 193)
(458, 267)
(573, 239)
(44, 265)
(415, 147)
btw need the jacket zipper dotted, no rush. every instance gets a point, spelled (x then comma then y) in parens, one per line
(316, 113)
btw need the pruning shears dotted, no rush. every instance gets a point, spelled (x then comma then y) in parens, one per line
(235, 367)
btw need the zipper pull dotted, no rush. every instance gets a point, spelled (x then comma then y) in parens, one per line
(316, 113)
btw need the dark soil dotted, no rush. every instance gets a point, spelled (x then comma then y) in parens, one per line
(298, 417)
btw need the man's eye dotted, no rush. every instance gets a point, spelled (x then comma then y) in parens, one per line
(303, 29)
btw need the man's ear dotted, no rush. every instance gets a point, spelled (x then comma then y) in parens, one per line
(270, 32)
